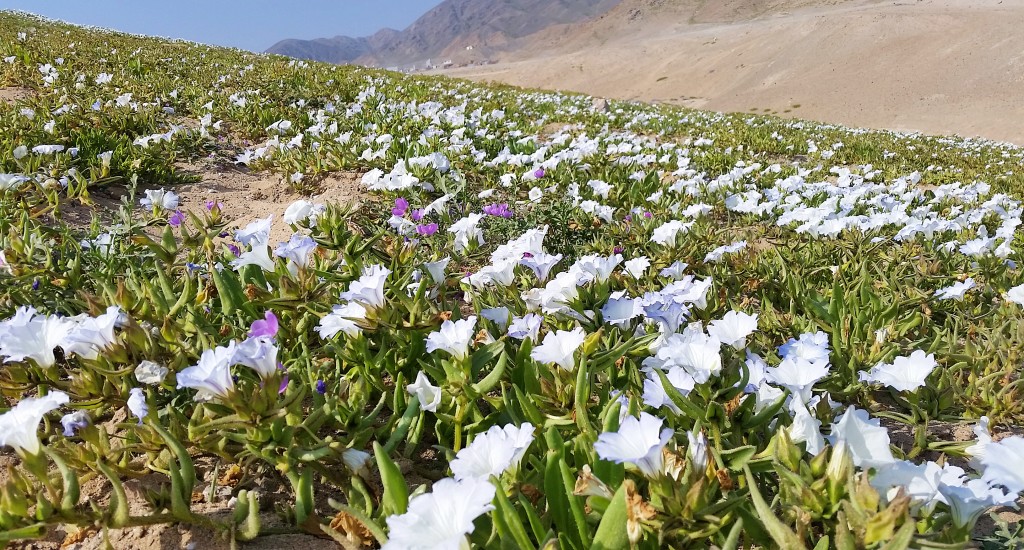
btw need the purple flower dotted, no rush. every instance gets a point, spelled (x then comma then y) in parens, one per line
(235, 250)
(500, 210)
(648, 215)
(619, 250)
(284, 384)
(538, 173)
(416, 215)
(264, 327)
(321, 387)
(211, 204)
(426, 230)
(176, 218)
(35, 284)
(628, 218)
(401, 205)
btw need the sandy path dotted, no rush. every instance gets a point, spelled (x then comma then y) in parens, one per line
(937, 66)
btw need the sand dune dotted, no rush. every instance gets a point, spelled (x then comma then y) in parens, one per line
(937, 66)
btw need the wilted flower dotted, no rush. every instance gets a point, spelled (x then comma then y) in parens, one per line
(428, 394)
(18, 426)
(639, 441)
(73, 422)
(150, 373)
(137, 403)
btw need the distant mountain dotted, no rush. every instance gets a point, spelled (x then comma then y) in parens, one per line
(460, 30)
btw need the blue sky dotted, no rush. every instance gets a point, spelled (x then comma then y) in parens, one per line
(248, 24)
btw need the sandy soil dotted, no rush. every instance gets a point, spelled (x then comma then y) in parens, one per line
(11, 95)
(246, 196)
(936, 66)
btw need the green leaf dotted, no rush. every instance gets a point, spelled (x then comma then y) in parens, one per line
(611, 532)
(396, 494)
(780, 532)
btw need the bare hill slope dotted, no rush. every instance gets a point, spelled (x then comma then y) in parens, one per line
(938, 66)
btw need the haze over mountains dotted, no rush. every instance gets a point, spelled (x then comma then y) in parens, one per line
(446, 31)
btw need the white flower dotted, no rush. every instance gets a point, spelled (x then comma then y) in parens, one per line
(733, 328)
(667, 232)
(368, 291)
(866, 439)
(1002, 463)
(34, 337)
(212, 375)
(674, 271)
(18, 426)
(259, 255)
(137, 404)
(698, 450)
(150, 373)
(956, 291)
(654, 390)
(493, 452)
(637, 267)
(300, 211)
(904, 374)
(977, 451)
(968, 501)
(259, 354)
(92, 334)
(357, 461)
(558, 347)
(342, 319)
(525, 327)
(428, 394)
(11, 182)
(298, 249)
(453, 337)
(166, 200)
(619, 311)
(497, 315)
(639, 441)
(806, 428)
(20, 152)
(441, 519)
(541, 264)
(798, 376)
(257, 232)
(436, 269)
(1016, 295)
(810, 347)
(467, 233)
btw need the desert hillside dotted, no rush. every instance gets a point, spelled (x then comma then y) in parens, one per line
(937, 66)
